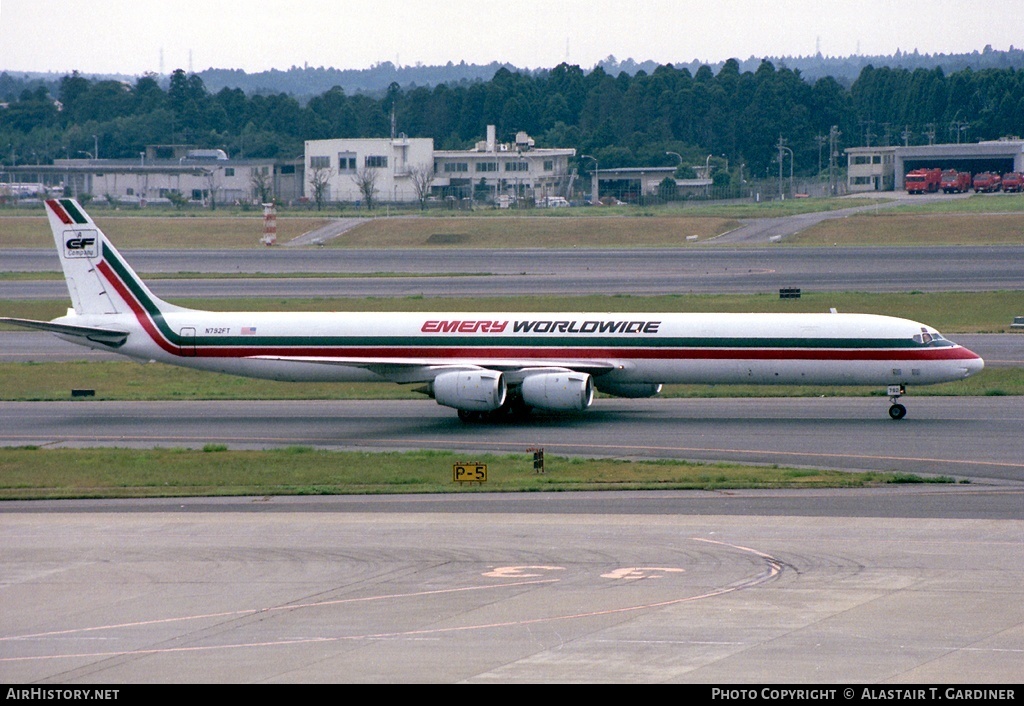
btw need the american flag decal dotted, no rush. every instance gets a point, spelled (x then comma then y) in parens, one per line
(248, 330)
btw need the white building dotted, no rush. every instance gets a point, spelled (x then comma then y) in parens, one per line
(400, 168)
(500, 172)
(387, 168)
(870, 168)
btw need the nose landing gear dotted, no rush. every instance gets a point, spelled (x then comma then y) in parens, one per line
(897, 411)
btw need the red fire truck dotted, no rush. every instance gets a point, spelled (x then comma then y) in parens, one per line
(922, 181)
(954, 182)
(1013, 182)
(987, 182)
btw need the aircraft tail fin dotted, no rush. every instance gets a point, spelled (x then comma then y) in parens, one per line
(98, 278)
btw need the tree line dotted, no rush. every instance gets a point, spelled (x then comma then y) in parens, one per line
(645, 119)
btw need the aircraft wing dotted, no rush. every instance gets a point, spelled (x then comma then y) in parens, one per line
(405, 370)
(107, 337)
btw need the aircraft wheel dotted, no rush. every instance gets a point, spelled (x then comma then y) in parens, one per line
(468, 416)
(897, 411)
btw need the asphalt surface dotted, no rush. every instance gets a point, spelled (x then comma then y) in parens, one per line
(565, 272)
(974, 438)
(301, 590)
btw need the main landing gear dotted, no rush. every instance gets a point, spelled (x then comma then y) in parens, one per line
(897, 411)
(514, 409)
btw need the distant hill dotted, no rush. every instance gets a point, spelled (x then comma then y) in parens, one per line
(308, 81)
(846, 69)
(305, 82)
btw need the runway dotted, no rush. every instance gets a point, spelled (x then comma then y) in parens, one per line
(475, 273)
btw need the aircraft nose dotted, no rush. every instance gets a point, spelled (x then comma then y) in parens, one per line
(973, 364)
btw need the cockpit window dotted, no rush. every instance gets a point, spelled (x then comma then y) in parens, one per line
(927, 338)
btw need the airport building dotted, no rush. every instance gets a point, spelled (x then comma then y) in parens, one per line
(503, 172)
(162, 171)
(884, 168)
(870, 169)
(347, 169)
(631, 184)
(405, 169)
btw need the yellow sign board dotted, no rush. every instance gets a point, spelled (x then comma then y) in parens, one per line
(469, 472)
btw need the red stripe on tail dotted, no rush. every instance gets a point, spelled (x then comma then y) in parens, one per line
(59, 210)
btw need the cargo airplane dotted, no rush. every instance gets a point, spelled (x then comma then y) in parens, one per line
(488, 366)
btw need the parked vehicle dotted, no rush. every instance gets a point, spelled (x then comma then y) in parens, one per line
(954, 182)
(1013, 182)
(987, 182)
(553, 202)
(921, 181)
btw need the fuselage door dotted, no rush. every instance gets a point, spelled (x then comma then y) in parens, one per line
(188, 341)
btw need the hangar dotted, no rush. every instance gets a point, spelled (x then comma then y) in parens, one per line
(884, 168)
(196, 174)
(631, 184)
(1000, 156)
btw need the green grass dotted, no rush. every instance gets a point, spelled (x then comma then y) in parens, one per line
(977, 204)
(147, 231)
(620, 226)
(889, 227)
(214, 470)
(664, 230)
(773, 209)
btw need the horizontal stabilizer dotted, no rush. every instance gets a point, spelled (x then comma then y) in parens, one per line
(107, 337)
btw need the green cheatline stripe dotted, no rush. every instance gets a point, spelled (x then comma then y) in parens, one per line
(133, 284)
(539, 342)
(138, 290)
(73, 211)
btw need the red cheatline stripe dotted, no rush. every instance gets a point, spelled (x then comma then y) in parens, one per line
(140, 313)
(59, 210)
(538, 353)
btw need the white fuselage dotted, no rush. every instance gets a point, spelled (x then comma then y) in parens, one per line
(834, 349)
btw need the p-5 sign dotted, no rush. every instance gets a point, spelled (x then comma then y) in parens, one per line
(80, 243)
(469, 472)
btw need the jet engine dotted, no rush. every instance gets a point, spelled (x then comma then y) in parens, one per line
(560, 391)
(470, 390)
(629, 390)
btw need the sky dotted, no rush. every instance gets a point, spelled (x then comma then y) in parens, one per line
(133, 38)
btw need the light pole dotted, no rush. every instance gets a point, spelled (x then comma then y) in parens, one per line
(790, 168)
(595, 182)
(782, 146)
(96, 147)
(960, 126)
